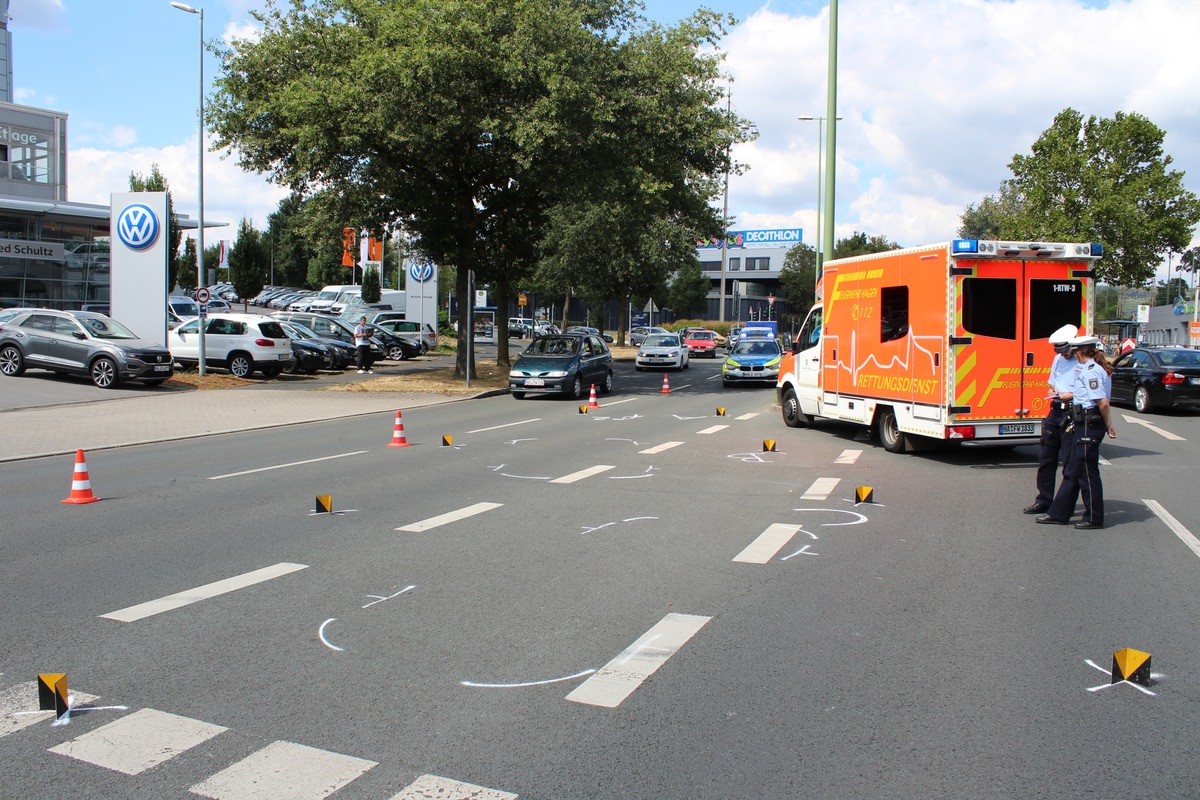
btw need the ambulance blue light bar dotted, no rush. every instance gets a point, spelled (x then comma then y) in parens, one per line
(1042, 250)
(966, 246)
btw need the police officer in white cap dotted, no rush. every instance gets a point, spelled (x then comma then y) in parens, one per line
(1089, 393)
(1055, 443)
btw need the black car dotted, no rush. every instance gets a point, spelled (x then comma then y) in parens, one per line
(1157, 377)
(395, 346)
(308, 357)
(340, 352)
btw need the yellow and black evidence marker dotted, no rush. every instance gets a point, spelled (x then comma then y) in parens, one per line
(447, 440)
(768, 445)
(324, 504)
(52, 692)
(583, 409)
(720, 411)
(864, 494)
(1131, 665)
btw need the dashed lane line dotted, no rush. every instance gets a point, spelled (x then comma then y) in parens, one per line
(768, 543)
(448, 517)
(848, 457)
(283, 466)
(1175, 525)
(584, 473)
(209, 590)
(650, 451)
(713, 429)
(820, 489)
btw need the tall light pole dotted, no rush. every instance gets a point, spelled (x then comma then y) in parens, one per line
(820, 255)
(725, 219)
(199, 231)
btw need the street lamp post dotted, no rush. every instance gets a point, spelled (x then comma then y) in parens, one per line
(200, 230)
(819, 246)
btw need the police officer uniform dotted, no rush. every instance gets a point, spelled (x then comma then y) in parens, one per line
(1081, 476)
(1055, 444)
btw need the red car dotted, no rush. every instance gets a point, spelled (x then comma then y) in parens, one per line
(702, 343)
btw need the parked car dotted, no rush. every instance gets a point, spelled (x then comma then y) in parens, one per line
(564, 364)
(701, 342)
(543, 327)
(590, 332)
(410, 329)
(180, 308)
(395, 346)
(328, 327)
(638, 335)
(520, 327)
(308, 356)
(81, 343)
(1157, 377)
(240, 343)
(218, 305)
(661, 350)
(752, 360)
(341, 354)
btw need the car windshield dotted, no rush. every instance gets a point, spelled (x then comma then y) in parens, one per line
(105, 328)
(761, 347)
(701, 335)
(661, 340)
(553, 346)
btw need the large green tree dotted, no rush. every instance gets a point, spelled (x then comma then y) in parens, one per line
(434, 117)
(249, 260)
(1096, 179)
(156, 182)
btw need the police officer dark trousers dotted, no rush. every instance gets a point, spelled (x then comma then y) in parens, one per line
(1055, 444)
(1081, 476)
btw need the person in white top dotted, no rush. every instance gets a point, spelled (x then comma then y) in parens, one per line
(362, 345)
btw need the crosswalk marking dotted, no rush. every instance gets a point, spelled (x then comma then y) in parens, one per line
(650, 451)
(434, 786)
(750, 415)
(820, 489)
(284, 771)
(713, 429)
(584, 473)
(19, 706)
(768, 543)
(618, 679)
(139, 741)
(189, 596)
(448, 517)
(848, 457)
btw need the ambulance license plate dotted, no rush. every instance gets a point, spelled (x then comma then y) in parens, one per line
(1017, 429)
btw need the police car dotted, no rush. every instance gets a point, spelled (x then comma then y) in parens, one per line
(753, 359)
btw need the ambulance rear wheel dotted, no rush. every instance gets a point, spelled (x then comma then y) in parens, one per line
(889, 432)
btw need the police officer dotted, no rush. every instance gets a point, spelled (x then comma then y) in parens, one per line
(1055, 443)
(1089, 393)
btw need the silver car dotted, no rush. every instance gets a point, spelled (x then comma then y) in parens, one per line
(81, 343)
(664, 350)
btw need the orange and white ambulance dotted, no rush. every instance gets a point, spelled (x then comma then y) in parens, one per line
(941, 342)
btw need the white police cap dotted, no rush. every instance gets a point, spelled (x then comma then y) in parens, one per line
(1085, 341)
(1064, 334)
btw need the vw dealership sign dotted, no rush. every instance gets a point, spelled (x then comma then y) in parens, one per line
(420, 271)
(137, 226)
(138, 283)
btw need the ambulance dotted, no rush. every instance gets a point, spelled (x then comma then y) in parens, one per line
(944, 342)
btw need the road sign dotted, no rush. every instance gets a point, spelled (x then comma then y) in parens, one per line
(202, 296)
(1195, 328)
(522, 300)
(653, 309)
(771, 300)
(1143, 314)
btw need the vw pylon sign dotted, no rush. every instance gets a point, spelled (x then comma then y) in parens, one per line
(420, 271)
(421, 289)
(137, 226)
(139, 252)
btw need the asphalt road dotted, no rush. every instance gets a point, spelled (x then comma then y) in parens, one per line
(934, 643)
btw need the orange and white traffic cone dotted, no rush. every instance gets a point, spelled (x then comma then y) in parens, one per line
(81, 484)
(666, 386)
(398, 439)
(592, 400)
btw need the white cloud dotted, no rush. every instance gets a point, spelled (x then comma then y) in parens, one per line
(36, 14)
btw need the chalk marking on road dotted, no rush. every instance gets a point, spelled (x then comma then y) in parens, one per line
(1153, 427)
(751, 458)
(284, 466)
(448, 517)
(523, 684)
(1175, 525)
(803, 551)
(861, 519)
(713, 429)
(18, 707)
(584, 473)
(326, 642)
(750, 415)
(590, 529)
(1090, 663)
(848, 457)
(685, 419)
(768, 544)
(608, 403)
(208, 590)
(620, 677)
(634, 442)
(651, 451)
(379, 599)
(506, 425)
(820, 488)
(645, 474)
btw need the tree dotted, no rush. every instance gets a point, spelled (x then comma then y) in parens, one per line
(289, 245)
(1100, 180)
(689, 290)
(797, 276)
(1190, 261)
(249, 260)
(860, 244)
(370, 285)
(155, 182)
(988, 219)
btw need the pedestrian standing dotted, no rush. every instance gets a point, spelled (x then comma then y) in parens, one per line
(1055, 443)
(1089, 394)
(362, 345)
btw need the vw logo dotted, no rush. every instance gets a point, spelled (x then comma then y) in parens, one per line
(420, 271)
(137, 226)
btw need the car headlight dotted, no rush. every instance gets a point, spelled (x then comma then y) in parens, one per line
(515, 374)
(558, 373)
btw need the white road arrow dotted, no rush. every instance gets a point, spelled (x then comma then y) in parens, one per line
(1153, 427)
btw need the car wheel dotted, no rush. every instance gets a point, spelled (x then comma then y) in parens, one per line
(575, 389)
(792, 417)
(104, 373)
(519, 395)
(396, 353)
(606, 387)
(12, 363)
(1141, 400)
(889, 432)
(240, 365)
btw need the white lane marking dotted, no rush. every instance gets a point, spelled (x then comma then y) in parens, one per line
(618, 679)
(685, 419)
(284, 771)
(1104, 462)
(448, 517)
(379, 598)
(848, 457)
(768, 543)
(713, 429)
(1176, 527)
(751, 415)
(326, 642)
(19, 707)
(284, 466)
(189, 596)
(431, 786)
(1153, 427)
(659, 448)
(820, 489)
(608, 403)
(523, 684)
(584, 473)
(139, 741)
(505, 425)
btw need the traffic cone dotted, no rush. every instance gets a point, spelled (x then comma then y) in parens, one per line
(592, 400)
(666, 386)
(81, 485)
(398, 439)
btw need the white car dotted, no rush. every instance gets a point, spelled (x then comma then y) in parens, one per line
(240, 343)
(661, 351)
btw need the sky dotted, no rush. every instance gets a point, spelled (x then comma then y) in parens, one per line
(936, 96)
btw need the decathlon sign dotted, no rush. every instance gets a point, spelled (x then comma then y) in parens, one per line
(769, 238)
